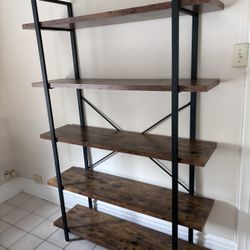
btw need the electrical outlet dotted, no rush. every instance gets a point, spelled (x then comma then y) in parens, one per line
(38, 179)
(241, 55)
(10, 174)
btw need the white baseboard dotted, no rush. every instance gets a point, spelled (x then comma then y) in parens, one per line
(8, 190)
(49, 193)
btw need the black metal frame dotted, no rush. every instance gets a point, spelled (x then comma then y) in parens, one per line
(176, 9)
(50, 115)
(175, 120)
(79, 91)
(193, 98)
(38, 29)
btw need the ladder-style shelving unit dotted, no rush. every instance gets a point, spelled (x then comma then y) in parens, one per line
(186, 209)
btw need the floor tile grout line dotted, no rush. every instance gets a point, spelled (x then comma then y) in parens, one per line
(39, 244)
(32, 197)
(29, 233)
(14, 207)
(33, 213)
(32, 228)
(46, 237)
(54, 243)
(47, 242)
(18, 239)
(15, 226)
(30, 213)
(15, 222)
(22, 228)
(43, 240)
(46, 218)
(20, 207)
(26, 233)
(37, 207)
(7, 228)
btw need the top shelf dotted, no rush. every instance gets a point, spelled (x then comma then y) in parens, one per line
(199, 85)
(141, 13)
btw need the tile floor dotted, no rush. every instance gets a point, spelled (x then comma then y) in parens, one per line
(26, 223)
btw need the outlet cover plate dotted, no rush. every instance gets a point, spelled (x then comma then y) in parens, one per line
(38, 179)
(241, 55)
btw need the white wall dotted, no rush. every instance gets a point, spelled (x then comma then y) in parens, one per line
(136, 50)
(6, 147)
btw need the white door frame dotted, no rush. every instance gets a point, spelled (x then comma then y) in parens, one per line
(243, 227)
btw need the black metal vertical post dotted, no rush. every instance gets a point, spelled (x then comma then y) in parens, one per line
(50, 115)
(193, 96)
(175, 119)
(79, 91)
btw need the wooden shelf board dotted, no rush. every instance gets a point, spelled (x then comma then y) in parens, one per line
(114, 233)
(156, 146)
(147, 12)
(145, 198)
(200, 85)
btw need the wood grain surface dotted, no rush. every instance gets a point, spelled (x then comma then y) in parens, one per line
(117, 234)
(156, 146)
(200, 85)
(140, 13)
(137, 196)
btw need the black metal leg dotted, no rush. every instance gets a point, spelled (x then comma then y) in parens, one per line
(50, 115)
(79, 91)
(175, 120)
(194, 66)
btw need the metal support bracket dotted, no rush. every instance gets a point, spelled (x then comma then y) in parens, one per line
(95, 203)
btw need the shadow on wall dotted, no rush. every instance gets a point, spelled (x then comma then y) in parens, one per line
(229, 3)
(224, 216)
(220, 175)
(220, 220)
(223, 220)
(243, 230)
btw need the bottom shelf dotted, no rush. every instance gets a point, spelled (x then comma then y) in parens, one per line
(114, 233)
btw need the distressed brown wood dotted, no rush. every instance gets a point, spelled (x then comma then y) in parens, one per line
(200, 85)
(147, 12)
(117, 234)
(145, 198)
(195, 153)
